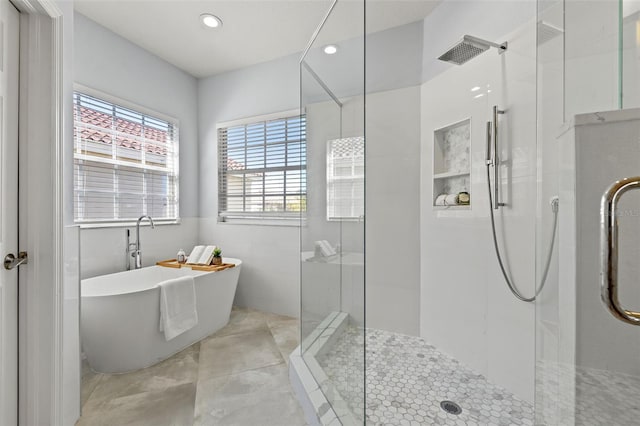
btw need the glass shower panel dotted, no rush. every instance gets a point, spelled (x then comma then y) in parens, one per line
(332, 235)
(588, 351)
(321, 281)
(554, 316)
(629, 51)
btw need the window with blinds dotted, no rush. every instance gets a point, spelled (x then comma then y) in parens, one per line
(125, 163)
(262, 169)
(345, 178)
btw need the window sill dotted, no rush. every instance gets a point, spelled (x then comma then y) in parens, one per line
(262, 222)
(98, 225)
(345, 219)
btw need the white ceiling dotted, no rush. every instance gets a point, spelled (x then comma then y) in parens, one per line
(254, 31)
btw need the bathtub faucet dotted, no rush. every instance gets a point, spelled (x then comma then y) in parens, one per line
(136, 253)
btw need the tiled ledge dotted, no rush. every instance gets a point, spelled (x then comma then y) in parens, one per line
(321, 402)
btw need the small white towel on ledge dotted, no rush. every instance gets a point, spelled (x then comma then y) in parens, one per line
(447, 200)
(177, 306)
(440, 200)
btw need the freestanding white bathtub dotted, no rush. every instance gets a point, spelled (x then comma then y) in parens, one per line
(120, 315)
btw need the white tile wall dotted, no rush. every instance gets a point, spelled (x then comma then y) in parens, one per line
(392, 217)
(591, 43)
(103, 249)
(466, 308)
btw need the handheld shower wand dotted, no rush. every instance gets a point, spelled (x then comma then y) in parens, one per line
(495, 204)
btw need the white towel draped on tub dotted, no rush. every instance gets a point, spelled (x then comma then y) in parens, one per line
(177, 306)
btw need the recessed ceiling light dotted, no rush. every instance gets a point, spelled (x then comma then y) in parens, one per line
(211, 21)
(330, 49)
(475, 89)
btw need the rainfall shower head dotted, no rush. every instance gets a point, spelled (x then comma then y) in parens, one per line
(468, 48)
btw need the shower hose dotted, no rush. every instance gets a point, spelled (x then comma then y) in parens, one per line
(510, 284)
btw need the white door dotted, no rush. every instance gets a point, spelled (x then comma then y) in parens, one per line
(9, 59)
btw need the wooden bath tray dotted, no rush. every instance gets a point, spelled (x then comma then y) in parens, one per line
(173, 263)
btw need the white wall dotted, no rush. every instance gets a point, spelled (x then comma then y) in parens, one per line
(591, 43)
(270, 273)
(392, 213)
(490, 20)
(393, 210)
(270, 277)
(388, 66)
(106, 62)
(330, 286)
(630, 60)
(392, 119)
(466, 308)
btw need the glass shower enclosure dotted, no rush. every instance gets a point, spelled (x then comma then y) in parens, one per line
(587, 349)
(404, 312)
(456, 250)
(332, 228)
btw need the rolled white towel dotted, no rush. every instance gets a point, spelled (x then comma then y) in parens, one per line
(451, 200)
(440, 200)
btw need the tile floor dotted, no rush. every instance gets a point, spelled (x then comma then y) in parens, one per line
(238, 376)
(569, 395)
(407, 378)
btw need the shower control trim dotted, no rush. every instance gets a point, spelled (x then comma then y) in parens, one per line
(492, 133)
(609, 249)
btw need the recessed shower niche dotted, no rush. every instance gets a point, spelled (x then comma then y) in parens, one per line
(452, 165)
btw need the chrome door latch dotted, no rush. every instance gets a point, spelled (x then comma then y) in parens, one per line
(10, 261)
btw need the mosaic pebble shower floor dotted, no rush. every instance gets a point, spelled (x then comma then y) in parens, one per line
(407, 379)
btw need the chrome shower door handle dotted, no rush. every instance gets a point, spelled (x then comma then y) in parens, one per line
(609, 249)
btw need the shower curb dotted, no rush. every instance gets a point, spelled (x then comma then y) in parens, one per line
(309, 381)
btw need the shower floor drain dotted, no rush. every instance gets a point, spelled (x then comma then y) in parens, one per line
(451, 407)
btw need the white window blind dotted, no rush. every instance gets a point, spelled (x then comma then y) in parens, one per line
(262, 169)
(125, 163)
(345, 178)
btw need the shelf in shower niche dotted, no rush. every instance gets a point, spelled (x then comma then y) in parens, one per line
(173, 263)
(447, 175)
(455, 207)
(452, 161)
